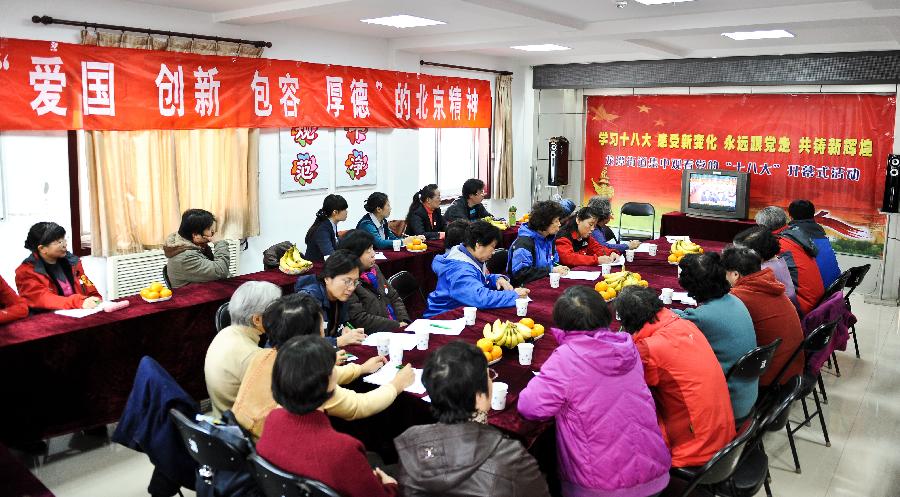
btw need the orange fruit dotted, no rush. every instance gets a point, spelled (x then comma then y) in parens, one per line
(538, 330)
(487, 355)
(673, 258)
(700, 250)
(145, 292)
(678, 253)
(496, 352)
(601, 286)
(527, 322)
(165, 292)
(485, 344)
(156, 286)
(636, 276)
(612, 292)
(643, 283)
(151, 295)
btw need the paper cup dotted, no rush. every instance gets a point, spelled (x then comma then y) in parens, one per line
(554, 280)
(397, 245)
(396, 352)
(629, 255)
(498, 398)
(384, 346)
(422, 340)
(526, 351)
(667, 295)
(679, 271)
(652, 250)
(470, 313)
(606, 269)
(521, 307)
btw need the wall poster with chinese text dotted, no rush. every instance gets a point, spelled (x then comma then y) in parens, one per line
(354, 157)
(305, 158)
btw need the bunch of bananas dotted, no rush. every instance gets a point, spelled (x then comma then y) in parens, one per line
(681, 248)
(499, 224)
(292, 262)
(613, 283)
(507, 334)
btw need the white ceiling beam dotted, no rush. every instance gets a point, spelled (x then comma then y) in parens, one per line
(658, 49)
(280, 11)
(882, 4)
(535, 13)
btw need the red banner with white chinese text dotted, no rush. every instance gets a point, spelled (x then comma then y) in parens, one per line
(830, 149)
(51, 86)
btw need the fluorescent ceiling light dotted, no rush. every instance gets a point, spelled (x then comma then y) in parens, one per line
(403, 21)
(758, 35)
(549, 47)
(660, 2)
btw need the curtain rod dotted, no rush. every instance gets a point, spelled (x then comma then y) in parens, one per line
(464, 68)
(50, 20)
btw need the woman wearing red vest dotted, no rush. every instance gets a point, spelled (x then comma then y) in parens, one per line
(576, 246)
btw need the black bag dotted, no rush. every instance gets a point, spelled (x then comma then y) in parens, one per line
(272, 255)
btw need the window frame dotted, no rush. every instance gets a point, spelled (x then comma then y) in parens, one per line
(483, 170)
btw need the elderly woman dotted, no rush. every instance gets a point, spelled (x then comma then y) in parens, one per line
(760, 240)
(575, 245)
(461, 451)
(593, 384)
(602, 233)
(12, 306)
(304, 377)
(295, 315)
(190, 257)
(683, 375)
(723, 319)
(234, 346)
(333, 287)
(799, 251)
(533, 254)
(374, 305)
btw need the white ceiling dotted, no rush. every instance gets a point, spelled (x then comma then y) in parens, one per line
(596, 30)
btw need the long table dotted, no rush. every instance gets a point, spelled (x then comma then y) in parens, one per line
(704, 228)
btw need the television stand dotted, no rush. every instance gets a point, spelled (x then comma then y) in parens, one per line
(702, 227)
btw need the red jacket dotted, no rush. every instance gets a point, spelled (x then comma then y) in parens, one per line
(688, 385)
(574, 251)
(12, 307)
(774, 316)
(800, 254)
(40, 291)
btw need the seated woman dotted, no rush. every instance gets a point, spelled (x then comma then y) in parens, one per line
(332, 287)
(295, 315)
(463, 279)
(303, 378)
(190, 258)
(602, 232)
(52, 277)
(533, 254)
(455, 234)
(235, 345)
(424, 217)
(322, 237)
(575, 245)
(461, 451)
(12, 307)
(723, 319)
(683, 375)
(375, 222)
(374, 305)
(760, 240)
(593, 384)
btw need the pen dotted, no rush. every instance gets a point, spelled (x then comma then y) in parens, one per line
(439, 326)
(350, 326)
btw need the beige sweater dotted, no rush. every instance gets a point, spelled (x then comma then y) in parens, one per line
(227, 359)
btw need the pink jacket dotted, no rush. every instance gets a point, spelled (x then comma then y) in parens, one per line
(608, 439)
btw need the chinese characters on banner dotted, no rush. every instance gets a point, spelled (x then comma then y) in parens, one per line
(830, 149)
(54, 86)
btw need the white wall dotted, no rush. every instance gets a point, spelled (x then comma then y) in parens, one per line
(282, 217)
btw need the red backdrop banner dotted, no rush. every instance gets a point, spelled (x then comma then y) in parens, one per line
(828, 148)
(51, 86)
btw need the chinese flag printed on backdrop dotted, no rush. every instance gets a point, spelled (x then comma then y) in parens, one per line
(830, 149)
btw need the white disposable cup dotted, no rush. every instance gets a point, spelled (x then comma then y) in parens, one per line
(617, 316)
(422, 340)
(652, 250)
(498, 398)
(667, 295)
(397, 245)
(679, 271)
(629, 255)
(554, 280)
(383, 345)
(470, 313)
(606, 269)
(526, 351)
(396, 352)
(521, 307)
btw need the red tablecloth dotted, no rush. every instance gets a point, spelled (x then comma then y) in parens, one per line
(704, 228)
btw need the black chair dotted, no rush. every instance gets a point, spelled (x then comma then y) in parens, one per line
(498, 261)
(753, 364)
(720, 467)
(406, 285)
(835, 286)
(638, 209)
(857, 275)
(213, 451)
(223, 317)
(165, 272)
(276, 482)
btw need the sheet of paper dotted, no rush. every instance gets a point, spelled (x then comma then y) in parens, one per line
(618, 262)
(408, 340)
(583, 275)
(673, 239)
(379, 256)
(644, 247)
(388, 372)
(683, 298)
(427, 398)
(438, 326)
(80, 313)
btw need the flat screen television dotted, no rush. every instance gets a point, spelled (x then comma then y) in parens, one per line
(713, 193)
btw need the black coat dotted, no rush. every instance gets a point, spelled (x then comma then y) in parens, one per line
(460, 209)
(368, 306)
(418, 223)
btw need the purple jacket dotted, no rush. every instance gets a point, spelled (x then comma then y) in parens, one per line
(607, 434)
(833, 308)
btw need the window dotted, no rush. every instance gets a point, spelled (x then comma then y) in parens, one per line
(450, 156)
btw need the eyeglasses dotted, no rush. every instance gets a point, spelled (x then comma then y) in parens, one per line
(492, 374)
(349, 282)
(61, 241)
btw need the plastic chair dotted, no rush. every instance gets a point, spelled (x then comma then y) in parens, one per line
(720, 467)
(498, 261)
(406, 285)
(276, 482)
(835, 286)
(857, 275)
(638, 209)
(213, 450)
(223, 317)
(754, 364)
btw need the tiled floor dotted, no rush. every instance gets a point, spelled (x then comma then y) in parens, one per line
(863, 417)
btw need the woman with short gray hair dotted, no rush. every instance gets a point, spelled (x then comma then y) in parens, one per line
(602, 207)
(230, 352)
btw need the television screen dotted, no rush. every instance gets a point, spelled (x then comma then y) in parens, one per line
(713, 192)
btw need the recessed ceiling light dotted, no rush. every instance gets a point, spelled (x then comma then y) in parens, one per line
(403, 21)
(660, 2)
(549, 47)
(758, 35)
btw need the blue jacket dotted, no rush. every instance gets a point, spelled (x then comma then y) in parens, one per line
(605, 236)
(145, 425)
(522, 266)
(366, 223)
(728, 327)
(825, 258)
(463, 281)
(323, 242)
(335, 313)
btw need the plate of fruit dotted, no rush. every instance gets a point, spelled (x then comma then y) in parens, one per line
(293, 263)
(416, 245)
(156, 292)
(537, 330)
(681, 248)
(613, 283)
(507, 334)
(492, 352)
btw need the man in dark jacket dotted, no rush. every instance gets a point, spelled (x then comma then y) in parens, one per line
(374, 305)
(802, 213)
(468, 206)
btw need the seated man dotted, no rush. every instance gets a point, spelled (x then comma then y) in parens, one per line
(463, 279)
(191, 259)
(12, 307)
(533, 253)
(234, 346)
(468, 206)
(799, 252)
(52, 277)
(802, 213)
(773, 314)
